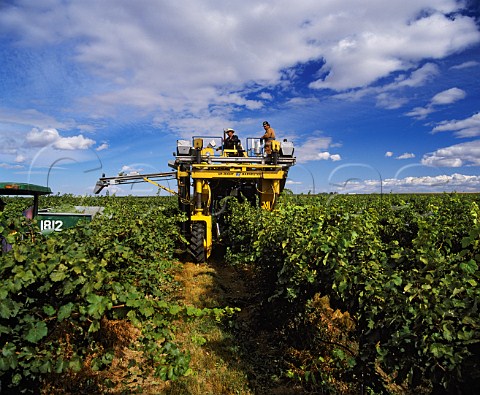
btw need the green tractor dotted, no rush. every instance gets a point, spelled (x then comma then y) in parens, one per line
(48, 221)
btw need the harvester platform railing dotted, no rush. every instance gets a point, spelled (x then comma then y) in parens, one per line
(234, 160)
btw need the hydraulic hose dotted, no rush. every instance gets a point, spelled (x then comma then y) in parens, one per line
(223, 208)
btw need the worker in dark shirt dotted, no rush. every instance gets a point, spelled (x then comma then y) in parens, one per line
(232, 142)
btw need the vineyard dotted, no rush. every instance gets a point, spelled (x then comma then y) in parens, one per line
(68, 299)
(357, 294)
(376, 291)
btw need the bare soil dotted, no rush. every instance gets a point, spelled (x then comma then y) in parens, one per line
(245, 346)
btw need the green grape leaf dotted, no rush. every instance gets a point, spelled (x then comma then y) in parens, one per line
(37, 332)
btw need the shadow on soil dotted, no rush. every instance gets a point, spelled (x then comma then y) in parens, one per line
(253, 346)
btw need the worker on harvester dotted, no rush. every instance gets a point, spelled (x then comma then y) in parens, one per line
(268, 136)
(232, 142)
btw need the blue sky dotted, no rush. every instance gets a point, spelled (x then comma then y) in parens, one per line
(376, 95)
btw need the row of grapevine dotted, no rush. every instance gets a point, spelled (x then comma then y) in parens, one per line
(60, 293)
(401, 272)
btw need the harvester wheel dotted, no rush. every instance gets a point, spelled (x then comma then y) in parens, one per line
(196, 247)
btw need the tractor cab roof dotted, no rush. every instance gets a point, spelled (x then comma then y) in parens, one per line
(20, 188)
(25, 189)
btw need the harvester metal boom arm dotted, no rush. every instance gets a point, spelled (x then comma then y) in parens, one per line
(133, 179)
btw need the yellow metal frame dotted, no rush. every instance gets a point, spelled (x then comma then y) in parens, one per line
(269, 178)
(235, 171)
(269, 191)
(275, 145)
(233, 153)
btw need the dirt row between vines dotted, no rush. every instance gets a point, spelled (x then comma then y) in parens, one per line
(233, 357)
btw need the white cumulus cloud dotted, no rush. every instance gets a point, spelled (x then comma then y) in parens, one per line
(432, 183)
(314, 148)
(20, 158)
(102, 147)
(42, 138)
(329, 156)
(73, 143)
(466, 65)
(406, 155)
(183, 45)
(465, 154)
(448, 96)
(469, 127)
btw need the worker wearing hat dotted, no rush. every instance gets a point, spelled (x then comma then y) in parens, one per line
(232, 141)
(268, 137)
